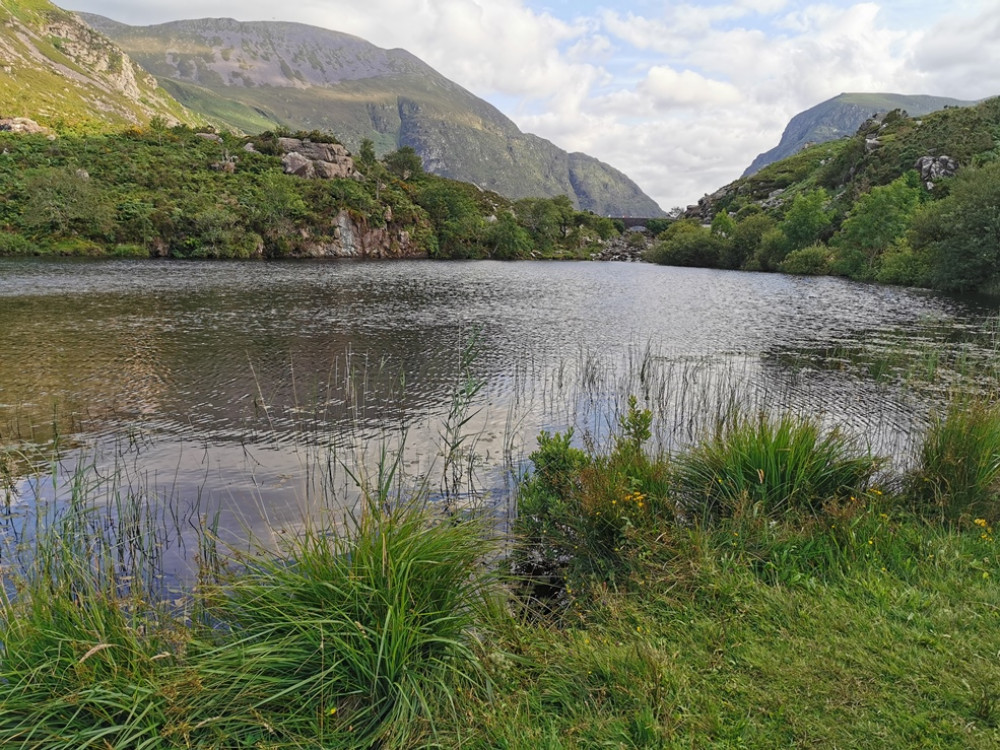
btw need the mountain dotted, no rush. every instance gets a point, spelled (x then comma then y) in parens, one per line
(266, 75)
(842, 116)
(59, 72)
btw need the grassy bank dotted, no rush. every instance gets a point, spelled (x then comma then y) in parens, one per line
(771, 585)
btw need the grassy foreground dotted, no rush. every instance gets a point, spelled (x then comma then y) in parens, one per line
(771, 586)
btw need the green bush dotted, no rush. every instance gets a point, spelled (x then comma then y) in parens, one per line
(12, 243)
(686, 243)
(130, 251)
(75, 246)
(958, 473)
(579, 516)
(809, 261)
(772, 247)
(902, 265)
(776, 465)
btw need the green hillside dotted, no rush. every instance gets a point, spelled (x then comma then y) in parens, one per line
(261, 76)
(906, 200)
(59, 73)
(841, 116)
(175, 192)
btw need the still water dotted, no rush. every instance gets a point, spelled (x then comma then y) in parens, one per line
(243, 386)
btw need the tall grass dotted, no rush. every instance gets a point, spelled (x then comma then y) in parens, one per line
(958, 471)
(777, 464)
(356, 638)
(357, 634)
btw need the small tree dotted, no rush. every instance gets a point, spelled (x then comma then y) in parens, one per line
(404, 163)
(807, 219)
(881, 216)
(960, 234)
(507, 239)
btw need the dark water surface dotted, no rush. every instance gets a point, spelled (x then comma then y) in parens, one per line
(235, 383)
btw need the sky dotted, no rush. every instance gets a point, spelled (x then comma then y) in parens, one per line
(681, 96)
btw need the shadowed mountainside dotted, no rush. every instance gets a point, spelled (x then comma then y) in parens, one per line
(265, 75)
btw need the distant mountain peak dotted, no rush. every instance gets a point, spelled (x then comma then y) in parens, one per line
(841, 116)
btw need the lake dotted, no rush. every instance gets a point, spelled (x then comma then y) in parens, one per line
(260, 390)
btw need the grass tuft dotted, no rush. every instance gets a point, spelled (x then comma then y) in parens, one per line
(773, 464)
(958, 474)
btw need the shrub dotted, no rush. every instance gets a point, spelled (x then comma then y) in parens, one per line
(130, 251)
(809, 261)
(12, 243)
(687, 243)
(901, 265)
(577, 514)
(958, 474)
(778, 465)
(772, 247)
(75, 246)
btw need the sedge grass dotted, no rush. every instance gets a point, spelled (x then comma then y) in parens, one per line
(958, 472)
(780, 463)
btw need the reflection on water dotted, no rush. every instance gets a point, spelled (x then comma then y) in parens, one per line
(241, 384)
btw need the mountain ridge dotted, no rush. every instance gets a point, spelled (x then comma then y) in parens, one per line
(841, 116)
(264, 75)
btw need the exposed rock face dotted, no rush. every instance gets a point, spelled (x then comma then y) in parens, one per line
(704, 210)
(933, 168)
(20, 125)
(329, 161)
(355, 239)
(57, 69)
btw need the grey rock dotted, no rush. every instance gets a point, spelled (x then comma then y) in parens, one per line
(20, 125)
(298, 165)
(933, 168)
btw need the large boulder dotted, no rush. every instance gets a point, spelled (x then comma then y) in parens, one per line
(329, 161)
(298, 165)
(20, 125)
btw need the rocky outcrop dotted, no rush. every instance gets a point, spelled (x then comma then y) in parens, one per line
(354, 238)
(704, 209)
(841, 116)
(624, 248)
(328, 161)
(934, 168)
(20, 125)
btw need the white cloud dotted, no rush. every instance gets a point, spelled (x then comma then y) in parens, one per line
(665, 86)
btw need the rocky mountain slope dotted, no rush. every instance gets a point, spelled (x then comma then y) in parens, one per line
(259, 76)
(841, 116)
(59, 72)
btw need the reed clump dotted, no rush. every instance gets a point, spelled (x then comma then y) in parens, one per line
(358, 636)
(779, 463)
(957, 476)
